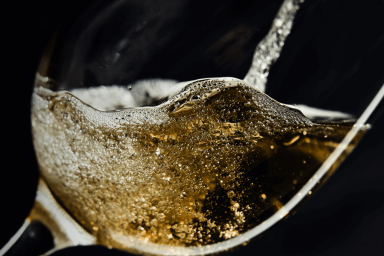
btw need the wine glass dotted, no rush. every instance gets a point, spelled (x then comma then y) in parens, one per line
(80, 71)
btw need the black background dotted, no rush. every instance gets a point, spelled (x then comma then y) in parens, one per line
(337, 43)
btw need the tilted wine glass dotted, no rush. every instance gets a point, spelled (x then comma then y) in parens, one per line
(192, 174)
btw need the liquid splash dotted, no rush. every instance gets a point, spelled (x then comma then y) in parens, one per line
(210, 163)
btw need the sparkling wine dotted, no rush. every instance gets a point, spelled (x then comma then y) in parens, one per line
(208, 163)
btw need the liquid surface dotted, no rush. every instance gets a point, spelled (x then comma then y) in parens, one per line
(213, 161)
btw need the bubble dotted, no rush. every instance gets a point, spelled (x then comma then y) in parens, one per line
(231, 194)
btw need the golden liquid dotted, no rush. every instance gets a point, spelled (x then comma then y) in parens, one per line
(212, 162)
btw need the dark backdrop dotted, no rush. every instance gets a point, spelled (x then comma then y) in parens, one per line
(337, 43)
